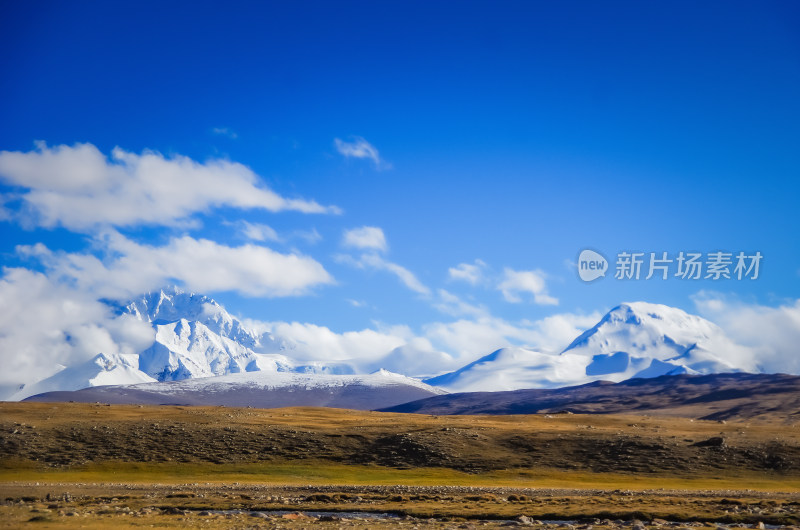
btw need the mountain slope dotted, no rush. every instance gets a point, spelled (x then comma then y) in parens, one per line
(195, 337)
(103, 369)
(172, 305)
(512, 368)
(263, 390)
(632, 340)
(642, 339)
(712, 397)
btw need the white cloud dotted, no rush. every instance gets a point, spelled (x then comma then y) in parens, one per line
(376, 262)
(372, 238)
(472, 274)
(770, 334)
(438, 346)
(466, 340)
(417, 357)
(356, 303)
(45, 325)
(313, 342)
(452, 305)
(309, 236)
(78, 188)
(259, 232)
(128, 268)
(531, 282)
(360, 148)
(365, 237)
(224, 131)
(395, 348)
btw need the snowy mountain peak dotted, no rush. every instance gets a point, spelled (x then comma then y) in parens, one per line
(195, 337)
(637, 339)
(639, 327)
(171, 303)
(641, 339)
(393, 377)
(507, 369)
(102, 369)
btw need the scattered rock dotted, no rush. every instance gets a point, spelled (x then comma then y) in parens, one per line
(716, 441)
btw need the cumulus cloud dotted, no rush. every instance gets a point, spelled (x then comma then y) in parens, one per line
(416, 357)
(434, 348)
(770, 334)
(469, 339)
(128, 268)
(45, 325)
(55, 318)
(365, 237)
(360, 148)
(313, 342)
(468, 272)
(79, 188)
(514, 283)
(395, 348)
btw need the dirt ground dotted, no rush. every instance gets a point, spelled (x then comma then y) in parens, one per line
(71, 434)
(99, 466)
(251, 506)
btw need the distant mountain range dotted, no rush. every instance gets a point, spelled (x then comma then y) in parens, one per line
(195, 337)
(708, 397)
(632, 340)
(262, 390)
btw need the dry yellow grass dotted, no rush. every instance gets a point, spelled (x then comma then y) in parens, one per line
(128, 466)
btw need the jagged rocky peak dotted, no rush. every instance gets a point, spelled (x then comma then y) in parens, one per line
(172, 304)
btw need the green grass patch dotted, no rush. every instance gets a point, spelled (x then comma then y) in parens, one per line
(321, 472)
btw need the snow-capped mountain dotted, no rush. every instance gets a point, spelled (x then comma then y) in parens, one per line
(172, 305)
(647, 340)
(103, 369)
(195, 337)
(632, 340)
(264, 390)
(510, 369)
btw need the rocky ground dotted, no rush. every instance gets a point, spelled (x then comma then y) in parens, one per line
(101, 466)
(69, 434)
(251, 506)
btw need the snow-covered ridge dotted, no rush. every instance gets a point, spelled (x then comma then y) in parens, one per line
(197, 342)
(101, 370)
(278, 380)
(195, 337)
(173, 304)
(635, 339)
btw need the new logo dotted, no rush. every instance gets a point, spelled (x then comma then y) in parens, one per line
(591, 265)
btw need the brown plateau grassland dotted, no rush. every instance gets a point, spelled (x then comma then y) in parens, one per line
(96, 466)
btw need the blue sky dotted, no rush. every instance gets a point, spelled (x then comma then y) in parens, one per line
(513, 133)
